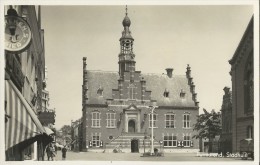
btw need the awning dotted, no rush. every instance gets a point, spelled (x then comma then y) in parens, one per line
(22, 123)
(48, 130)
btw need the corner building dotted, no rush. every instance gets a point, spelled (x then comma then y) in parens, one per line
(116, 109)
(242, 74)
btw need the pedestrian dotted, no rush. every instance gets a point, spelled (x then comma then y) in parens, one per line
(48, 151)
(64, 150)
(52, 152)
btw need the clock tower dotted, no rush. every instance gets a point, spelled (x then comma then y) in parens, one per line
(126, 55)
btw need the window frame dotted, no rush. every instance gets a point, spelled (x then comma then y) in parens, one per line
(186, 121)
(95, 122)
(96, 141)
(170, 120)
(111, 120)
(186, 141)
(155, 125)
(170, 141)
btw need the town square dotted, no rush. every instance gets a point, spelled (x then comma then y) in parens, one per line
(130, 82)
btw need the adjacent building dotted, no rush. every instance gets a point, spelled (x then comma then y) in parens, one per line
(226, 111)
(25, 137)
(117, 106)
(242, 73)
(46, 115)
(76, 135)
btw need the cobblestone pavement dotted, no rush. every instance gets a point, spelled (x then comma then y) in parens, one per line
(92, 156)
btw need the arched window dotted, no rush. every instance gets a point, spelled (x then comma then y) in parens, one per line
(249, 86)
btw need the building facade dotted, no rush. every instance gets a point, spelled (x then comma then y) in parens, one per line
(76, 135)
(226, 111)
(242, 73)
(117, 106)
(46, 115)
(25, 137)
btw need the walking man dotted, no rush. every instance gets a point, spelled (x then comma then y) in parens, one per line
(53, 151)
(48, 151)
(64, 150)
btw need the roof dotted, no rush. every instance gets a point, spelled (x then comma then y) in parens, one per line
(157, 83)
(107, 80)
(249, 29)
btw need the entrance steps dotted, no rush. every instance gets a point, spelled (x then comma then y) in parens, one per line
(124, 141)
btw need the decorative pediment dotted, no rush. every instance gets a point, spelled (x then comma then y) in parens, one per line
(132, 107)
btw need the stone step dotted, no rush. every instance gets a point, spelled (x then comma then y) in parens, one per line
(129, 141)
(129, 146)
(125, 143)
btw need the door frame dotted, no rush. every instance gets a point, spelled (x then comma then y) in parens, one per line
(135, 145)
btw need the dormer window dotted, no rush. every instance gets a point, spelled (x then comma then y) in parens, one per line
(182, 94)
(166, 93)
(100, 91)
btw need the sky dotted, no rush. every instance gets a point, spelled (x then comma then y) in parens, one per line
(205, 37)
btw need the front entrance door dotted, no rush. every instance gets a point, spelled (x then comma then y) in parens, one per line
(131, 126)
(134, 145)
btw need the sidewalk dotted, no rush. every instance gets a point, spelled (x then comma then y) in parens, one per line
(92, 156)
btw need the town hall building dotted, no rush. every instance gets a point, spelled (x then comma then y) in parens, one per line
(120, 108)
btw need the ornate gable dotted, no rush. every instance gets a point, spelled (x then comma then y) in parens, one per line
(132, 107)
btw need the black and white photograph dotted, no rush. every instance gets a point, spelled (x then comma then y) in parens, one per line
(129, 82)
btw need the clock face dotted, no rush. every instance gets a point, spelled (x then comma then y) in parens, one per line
(22, 35)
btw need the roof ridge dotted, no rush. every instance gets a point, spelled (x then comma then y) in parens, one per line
(102, 71)
(162, 74)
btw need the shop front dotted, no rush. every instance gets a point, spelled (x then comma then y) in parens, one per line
(25, 137)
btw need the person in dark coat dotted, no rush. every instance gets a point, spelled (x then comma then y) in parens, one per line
(64, 150)
(48, 151)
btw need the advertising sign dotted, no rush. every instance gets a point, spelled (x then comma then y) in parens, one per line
(17, 34)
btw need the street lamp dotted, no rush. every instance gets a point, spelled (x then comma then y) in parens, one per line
(152, 148)
(144, 139)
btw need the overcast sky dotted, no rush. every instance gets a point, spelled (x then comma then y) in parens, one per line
(205, 37)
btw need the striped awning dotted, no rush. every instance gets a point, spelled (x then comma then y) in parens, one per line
(22, 122)
(48, 130)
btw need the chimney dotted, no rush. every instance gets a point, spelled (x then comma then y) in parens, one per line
(169, 72)
(84, 63)
(188, 71)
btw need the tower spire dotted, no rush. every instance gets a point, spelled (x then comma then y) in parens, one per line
(126, 55)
